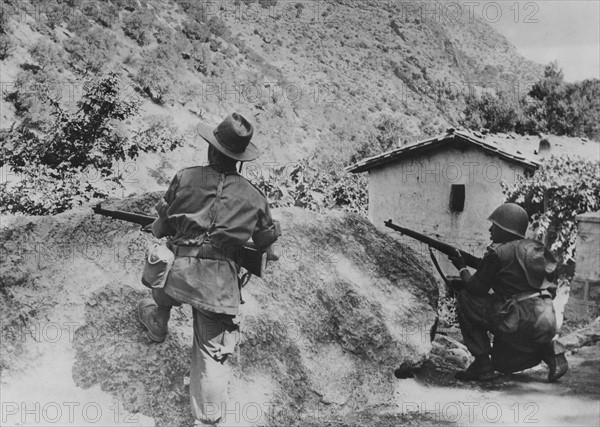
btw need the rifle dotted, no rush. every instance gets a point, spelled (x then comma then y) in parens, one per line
(470, 260)
(252, 258)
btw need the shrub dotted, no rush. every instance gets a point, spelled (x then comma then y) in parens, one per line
(389, 133)
(79, 24)
(31, 95)
(568, 187)
(265, 4)
(195, 31)
(93, 49)
(138, 26)
(54, 12)
(156, 75)
(448, 317)
(164, 34)
(129, 5)
(104, 13)
(217, 27)
(46, 54)
(6, 46)
(56, 165)
(314, 188)
(194, 9)
(4, 17)
(201, 57)
(495, 113)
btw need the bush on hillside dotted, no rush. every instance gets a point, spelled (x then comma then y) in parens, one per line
(218, 28)
(163, 33)
(46, 54)
(128, 5)
(74, 158)
(494, 112)
(195, 31)
(201, 57)
(138, 26)
(31, 95)
(4, 17)
(558, 191)
(265, 4)
(309, 187)
(195, 10)
(157, 73)
(79, 24)
(53, 12)
(6, 46)
(389, 133)
(92, 50)
(102, 12)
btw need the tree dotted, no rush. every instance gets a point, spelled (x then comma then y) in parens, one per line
(73, 158)
(551, 106)
(494, 112)
(559, 190)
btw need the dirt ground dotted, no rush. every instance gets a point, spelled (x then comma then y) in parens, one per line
(67, 377)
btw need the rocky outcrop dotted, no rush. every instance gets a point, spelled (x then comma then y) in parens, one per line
(322, 332)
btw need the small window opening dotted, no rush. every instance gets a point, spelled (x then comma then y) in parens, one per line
(457, 198)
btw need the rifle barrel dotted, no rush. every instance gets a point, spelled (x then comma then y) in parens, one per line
(470, 260)
(140, 219)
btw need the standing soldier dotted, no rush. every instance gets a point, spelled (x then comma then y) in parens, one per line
(519, 313)
(209, 213)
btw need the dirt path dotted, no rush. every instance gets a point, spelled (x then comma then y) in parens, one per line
(520, 399)
(45, 394)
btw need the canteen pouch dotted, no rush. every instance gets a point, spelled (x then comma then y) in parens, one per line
(158, 262)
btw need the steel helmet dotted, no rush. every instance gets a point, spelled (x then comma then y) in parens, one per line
(511, 217)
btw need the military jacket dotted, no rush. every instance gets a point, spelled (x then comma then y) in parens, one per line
(514, 269)
(204, 206)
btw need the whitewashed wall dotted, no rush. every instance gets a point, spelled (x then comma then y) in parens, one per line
(415, 193)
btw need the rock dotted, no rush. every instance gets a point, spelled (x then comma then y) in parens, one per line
(450, 354)
(582, 337)
(324, 329)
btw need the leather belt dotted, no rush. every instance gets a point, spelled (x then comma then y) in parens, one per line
(204, 251)
(528, 295)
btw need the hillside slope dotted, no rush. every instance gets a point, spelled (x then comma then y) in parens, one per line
(311, 75)
(321, 335)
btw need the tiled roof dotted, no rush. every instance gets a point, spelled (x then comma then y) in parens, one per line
(511, 147)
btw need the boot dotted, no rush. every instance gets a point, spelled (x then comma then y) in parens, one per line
(557, 363)
(154, 318)
(480, 370)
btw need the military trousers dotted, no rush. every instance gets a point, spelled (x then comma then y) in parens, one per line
(215, 337)
(512, 351)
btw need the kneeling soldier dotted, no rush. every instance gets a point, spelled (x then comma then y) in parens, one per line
(519, 313)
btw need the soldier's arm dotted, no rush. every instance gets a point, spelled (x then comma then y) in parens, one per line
(267, 230)
(480, 282)
(161, 226)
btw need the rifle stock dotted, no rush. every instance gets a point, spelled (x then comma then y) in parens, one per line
(470, 260)
(252, 259)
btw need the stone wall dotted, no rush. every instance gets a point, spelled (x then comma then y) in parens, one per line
(584, 299)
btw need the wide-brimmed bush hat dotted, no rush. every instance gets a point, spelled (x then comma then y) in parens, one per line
(231, 137)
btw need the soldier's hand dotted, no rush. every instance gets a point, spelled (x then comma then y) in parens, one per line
(457, 260)
(147, 228)
(456, 284)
